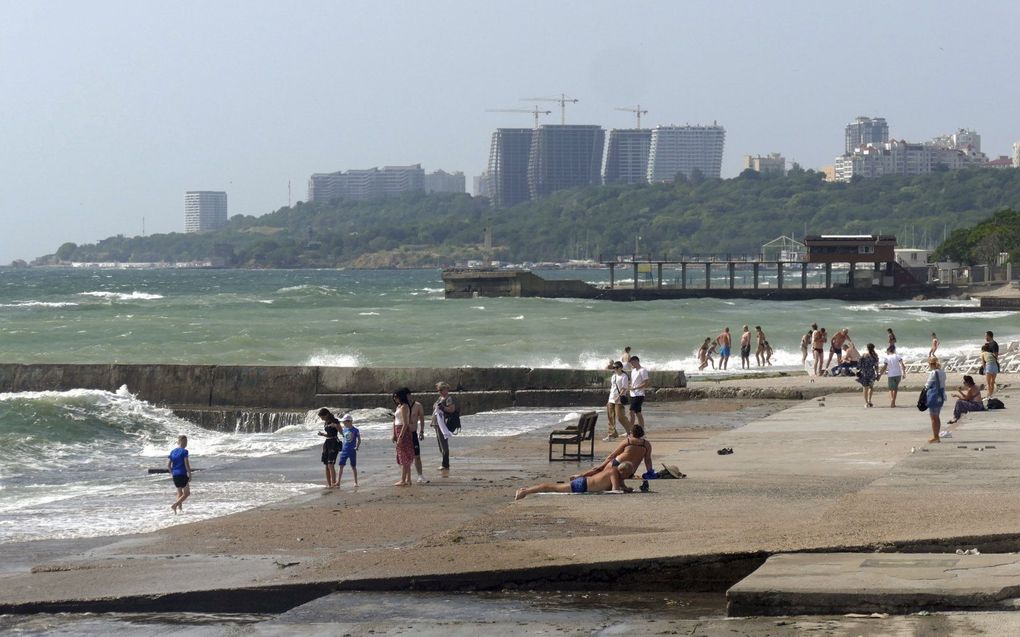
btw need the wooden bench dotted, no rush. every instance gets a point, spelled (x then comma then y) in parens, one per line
(575, 436)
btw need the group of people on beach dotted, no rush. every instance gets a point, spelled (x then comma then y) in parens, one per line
(627, 387)
(722, 344)
(408, 431)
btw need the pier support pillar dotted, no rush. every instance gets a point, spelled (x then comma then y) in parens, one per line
(779, 275)
(660, 276)
(851, 275)
(755, 284)
(708, 276)
(635, 276)
(803, 275)
(828, 276)
(683, 276)
(612, 275)
(733, 274)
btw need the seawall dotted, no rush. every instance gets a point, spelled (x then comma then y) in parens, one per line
(260, 387)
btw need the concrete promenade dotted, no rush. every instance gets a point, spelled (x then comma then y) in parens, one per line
(824, 474)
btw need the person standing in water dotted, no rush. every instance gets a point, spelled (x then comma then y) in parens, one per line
(759, 352)
(745, 348)
(934, 345)
(180, 470)
(724, 340)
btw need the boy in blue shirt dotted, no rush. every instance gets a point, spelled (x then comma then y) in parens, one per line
(180, 470)
(351, 438)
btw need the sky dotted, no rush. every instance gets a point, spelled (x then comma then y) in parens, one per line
(110, 111)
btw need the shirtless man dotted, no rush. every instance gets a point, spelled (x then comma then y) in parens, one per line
(934, 345)
(745, 348)
(418, 421)
(805, 344)
(633, 450)
(608, 479)
(724, 340)
(836, 346)
(759, 352)
(818, 339)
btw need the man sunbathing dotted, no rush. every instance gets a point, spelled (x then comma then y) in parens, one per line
(610, 478)
(633, 450)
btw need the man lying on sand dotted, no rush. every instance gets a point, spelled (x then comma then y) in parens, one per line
(610, 478)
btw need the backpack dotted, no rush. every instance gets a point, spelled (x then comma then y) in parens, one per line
(453, 420)
(995, 403)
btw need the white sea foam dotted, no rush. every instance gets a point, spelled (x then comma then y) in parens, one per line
(326, 358)
(39, 304)
(318, 289)
(519, 317)
(123, 296)
(368, 314)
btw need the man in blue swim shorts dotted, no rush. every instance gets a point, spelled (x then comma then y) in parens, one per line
(725, 341)
(605, 480)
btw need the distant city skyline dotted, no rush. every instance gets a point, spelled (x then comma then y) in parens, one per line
(112, 109)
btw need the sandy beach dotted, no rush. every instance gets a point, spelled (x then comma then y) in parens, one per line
(810, 474)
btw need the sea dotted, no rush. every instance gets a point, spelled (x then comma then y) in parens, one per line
(74, 463)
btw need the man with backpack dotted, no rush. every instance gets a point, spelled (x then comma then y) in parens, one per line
(446, 420)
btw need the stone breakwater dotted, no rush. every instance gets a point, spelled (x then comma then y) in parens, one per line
(261, 387)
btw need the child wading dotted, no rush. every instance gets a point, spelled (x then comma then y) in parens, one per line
(180, 470)
(351, 439)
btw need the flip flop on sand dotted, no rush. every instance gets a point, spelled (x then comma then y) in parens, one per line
(725, 451)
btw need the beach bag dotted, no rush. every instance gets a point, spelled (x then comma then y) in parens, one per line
(922, 401)
(453, 422)
(936, 397)
(995, 403)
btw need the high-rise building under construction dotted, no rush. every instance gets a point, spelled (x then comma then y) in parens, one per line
(627, 156)
(685, 149)
(565, 156)
(507, 175)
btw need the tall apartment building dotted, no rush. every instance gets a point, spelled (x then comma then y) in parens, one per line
(627, 156)
(866, 130)
(366, 184)
(1016, 155)
(565, 156)
(482, 185)
(960, 140)
(773, 164)
(204, 210)
(684, 149)
(442, 181)
(508, 166)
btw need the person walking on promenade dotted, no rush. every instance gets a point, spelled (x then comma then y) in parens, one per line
(331, 445)
(703, 355)
(894, 370)
(867, 372)
(745, 348)
(446, 420)
(619, 387)
(724, 340)
(180, 470)
(403, 430)
(606, 480)
(935, 396)
(805, 344)
(418, 420)
(836, 347)
(638, 384)
(990, 362)
(759, 351)
(818, 339)
(968, 399)
(934, 345)
(351, 440)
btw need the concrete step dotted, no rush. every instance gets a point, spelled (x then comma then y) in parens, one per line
(838, 583)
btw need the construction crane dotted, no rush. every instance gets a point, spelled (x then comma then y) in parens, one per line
(562, 99)
(534, 111)
(633, 109)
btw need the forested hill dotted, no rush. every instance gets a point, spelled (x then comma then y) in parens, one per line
(698, 217)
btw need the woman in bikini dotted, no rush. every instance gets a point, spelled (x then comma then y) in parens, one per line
(633, 450)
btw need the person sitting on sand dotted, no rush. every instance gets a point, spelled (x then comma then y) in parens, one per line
(633, 450)
(609, 479)
(968, 399)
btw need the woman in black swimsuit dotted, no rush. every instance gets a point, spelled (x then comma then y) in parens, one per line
(633, 449)
(331, 445)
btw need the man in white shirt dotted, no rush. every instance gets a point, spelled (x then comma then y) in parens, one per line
(638, 384)
(892, 366)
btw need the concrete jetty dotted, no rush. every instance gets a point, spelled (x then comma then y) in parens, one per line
(823, 475)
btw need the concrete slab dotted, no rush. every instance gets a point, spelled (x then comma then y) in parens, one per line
(831, 583)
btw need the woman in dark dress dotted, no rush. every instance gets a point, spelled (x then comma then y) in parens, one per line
(331, 445)
(867, 372)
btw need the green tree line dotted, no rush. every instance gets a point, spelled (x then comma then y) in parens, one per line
(696, 217)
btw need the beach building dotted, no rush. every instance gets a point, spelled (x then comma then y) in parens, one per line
(442, 181)
(627, 156)
(685, 149)
(565, 156)
(773, 164)
(204, 210)
(865, 130)
(508, 166)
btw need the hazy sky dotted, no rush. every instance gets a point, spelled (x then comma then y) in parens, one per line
(110, 111)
